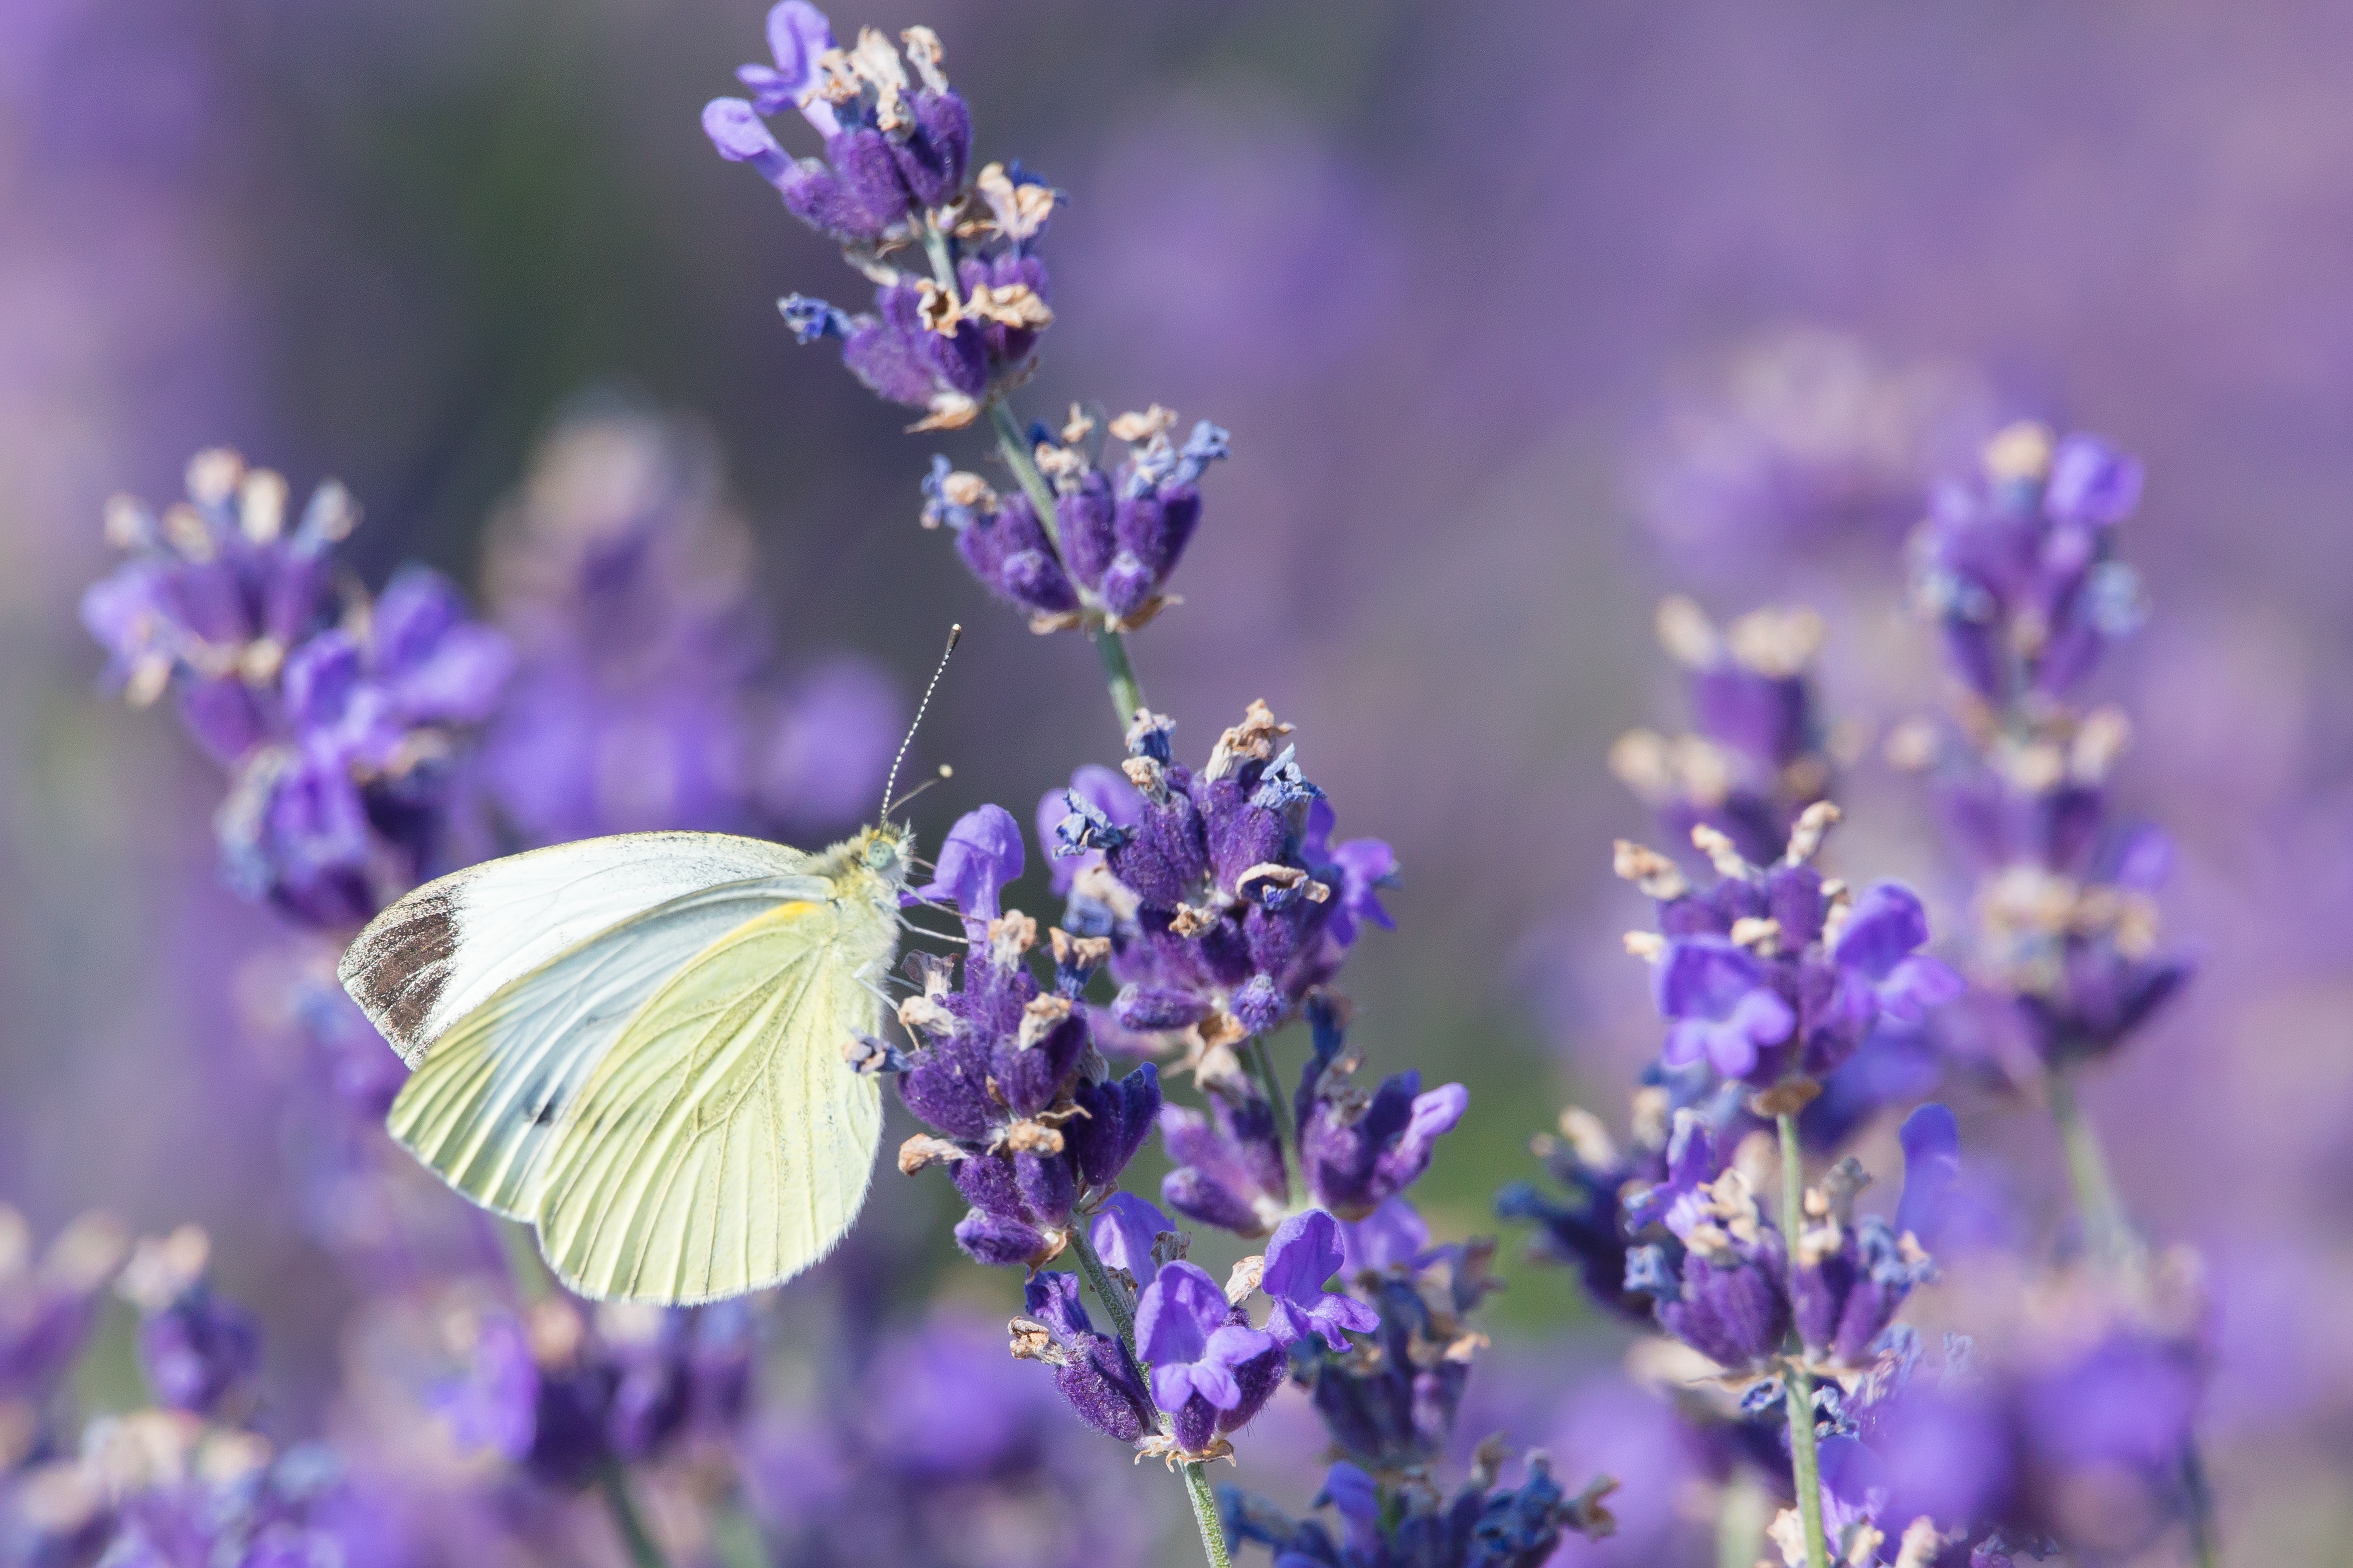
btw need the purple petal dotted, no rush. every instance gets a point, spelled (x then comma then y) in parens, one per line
(1887, 925)
(1304, 1254)
(1176, 1314)
(1392, 1234)
(982, 853)
(1124, 1231)
(1932, 1164)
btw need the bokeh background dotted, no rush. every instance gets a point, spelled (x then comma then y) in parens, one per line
(1520, 316)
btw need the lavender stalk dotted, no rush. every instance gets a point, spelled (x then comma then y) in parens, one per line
(1805, 1463)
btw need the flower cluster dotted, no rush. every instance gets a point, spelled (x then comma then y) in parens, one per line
(1023, 1110)
(1758, 754)
(2020, 571)
(1389, 1406)
(893, 174)
(1114, 537)
(1774, 974)
(562, 1393)
(1356, 1151)
(1485, 1525)
(185, 1479)
(1222, 895)
(335, 716)
(50, 1304)
(1085, 543)
(926, 1445)
(647, 692)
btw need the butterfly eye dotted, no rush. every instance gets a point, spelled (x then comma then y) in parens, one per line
(880, 852)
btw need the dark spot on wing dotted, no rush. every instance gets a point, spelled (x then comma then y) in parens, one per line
(397, 968)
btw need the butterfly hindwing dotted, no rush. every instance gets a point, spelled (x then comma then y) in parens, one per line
(722, 1144)
(447, 948)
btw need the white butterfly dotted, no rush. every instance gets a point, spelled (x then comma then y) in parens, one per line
(635, 1045)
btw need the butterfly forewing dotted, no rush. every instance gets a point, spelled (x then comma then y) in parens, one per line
(720, 1143)
(494, 1087)
(444, 950)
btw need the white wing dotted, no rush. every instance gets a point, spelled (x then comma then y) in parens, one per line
(497, 1085)
(444, 950)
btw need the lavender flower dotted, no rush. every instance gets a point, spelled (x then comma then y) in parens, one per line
(1118, 533)
(560, 1394)
(1091, 1371)
(198, 1351)
(1356, 1151)
(1483, 1525)
(1300, 1261)
(1758, 756)
(1023, 1110)
(48, 1309)
(336, 719)
(1774, 972)
(2018, 569)
(1211, 1372)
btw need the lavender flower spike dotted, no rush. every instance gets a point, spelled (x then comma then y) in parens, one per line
(1303, 1255)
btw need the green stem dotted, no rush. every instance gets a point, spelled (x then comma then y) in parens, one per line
(1797, 1387)
(2205, 1547)
(614, 1483)
(2106, 1237)
(1126, 691)
(1741, 1516)
(1197, 1484)
(1261, 1062)
(1205, 1516)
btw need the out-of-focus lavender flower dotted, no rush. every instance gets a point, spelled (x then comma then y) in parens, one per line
(1614, 1194)
(1774, 972)
(646, 693)
(1800, 440)
(162, 1488)
(1023, 1110)
(2020, 573)
(560, 1393)
(2018, 569)
(336, 719)
(199, 1350)
(49, 1308)
(926, 1445)
(1758, 754)
(1211, 1372)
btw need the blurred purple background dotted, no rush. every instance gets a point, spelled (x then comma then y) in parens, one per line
(1520, 316)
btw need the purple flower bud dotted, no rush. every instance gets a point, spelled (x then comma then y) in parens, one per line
(1120, 1116)
(998, 1243)
(863, 161)
(931, 157)
(1011, 556)
(1084, 519)
(1094, 1373)
(1735, 1313)
(198, 1351)
(2092, 482)
(1355, 1158)
(1305, 1255)
(1108, 792)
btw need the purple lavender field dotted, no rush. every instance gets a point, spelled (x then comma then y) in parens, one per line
(1705, 924)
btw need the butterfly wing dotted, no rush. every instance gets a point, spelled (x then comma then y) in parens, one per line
(445, 949)
(723, 1143)
(493, 1088)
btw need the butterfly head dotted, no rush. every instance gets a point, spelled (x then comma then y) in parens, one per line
(883, 851)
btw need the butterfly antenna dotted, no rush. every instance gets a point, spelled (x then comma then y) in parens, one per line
(955, 634)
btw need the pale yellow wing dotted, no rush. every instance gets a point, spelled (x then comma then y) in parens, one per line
(496, 1083)
(723, 1143)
